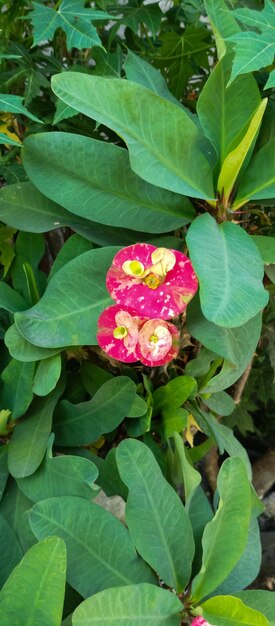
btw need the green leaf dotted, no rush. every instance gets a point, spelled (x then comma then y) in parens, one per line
(155, 155)
(16, 392)
(173, 420)
(225, 537)
(23, 350)
(68, 311)
(4, 472)
(222, 22)
(6, 247)
(158, 523)
(229, 269)
(100, 184)
(220, 403)
(200, 513)
(47, 375)
(266, 247)
(149, 16)
(6, 140)
(258, 182)
(235, 159)
(23, 206)
(138, 408)
(60, 476)
(29, 440)
(263, 601)
(140, 604)
(235, 345)
(229, 611)
(254, 49)
(73, 247)
(14, 104)
(191, 477)
(14, 507)
(10, 551)
(93, 564)
(10, 300)
(174, 394)
(34, 592)
(247, 567)
(223, 436)
(271, 81)
(81, 424)
(139, 71)
(26, 277)
(224, 113)
(73, 18)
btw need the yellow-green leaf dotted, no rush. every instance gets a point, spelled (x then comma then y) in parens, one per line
(233, 162)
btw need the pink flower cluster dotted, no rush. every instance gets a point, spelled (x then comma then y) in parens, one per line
(199, 621)
(150, 286)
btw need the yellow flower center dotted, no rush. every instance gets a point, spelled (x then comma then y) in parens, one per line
(133, 268)
(152, 281)
(120, 332)
(154, 338)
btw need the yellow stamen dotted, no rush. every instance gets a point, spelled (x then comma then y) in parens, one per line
(120, 332)
(154, 338)
(133, 268)
(152, 281)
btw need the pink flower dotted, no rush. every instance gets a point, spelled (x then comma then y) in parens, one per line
(118, 332)
(199, 621)
(157, 282)
(158, 342)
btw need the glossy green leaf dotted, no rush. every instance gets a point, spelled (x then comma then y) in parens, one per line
(223, 436)
(220, 403)
(100, 184)
(173, 420)
(109, 477)
(14, 104)
(235, 159)
(174, 393)
(229, 269)
(158, 523)
(235, 345)
(229, 611)
(29, 439)
(140, 604)
(224, 113)
(93, 564)
(14, 507)
(34, 592)
(254, 49)
(23, 350)
(6, 140)
(156, 137)
(222, 22)
(60, 476)
(10, 551)
(26, 277)
(67, 313)
(47, 375)
(4, 472)
(225, 537)
(200, 513)
(139, 71)
(73, 18)
(81, 424)
(23, 206)
(271, 80)
(138, 408)
(73, 247)
(191, 477)
(10, 300)
(258, 182)
(17, 393)
(266, 247)
(260, 600)
(247, 567)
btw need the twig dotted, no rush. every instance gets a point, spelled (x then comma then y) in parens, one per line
(239, 388)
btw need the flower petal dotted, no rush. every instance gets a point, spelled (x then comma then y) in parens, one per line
(158, 342)
(123, 346)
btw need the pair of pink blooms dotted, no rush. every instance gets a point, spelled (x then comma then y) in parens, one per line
(150, 286)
